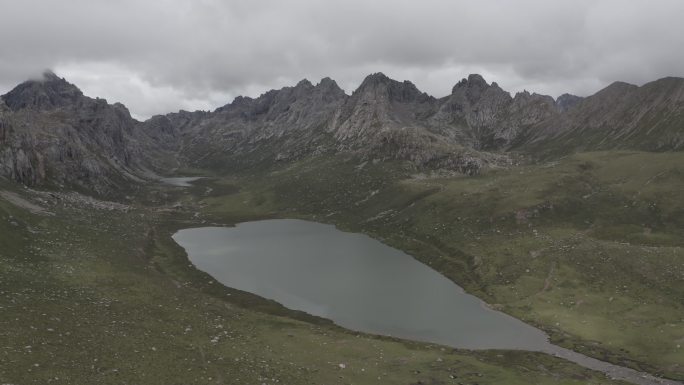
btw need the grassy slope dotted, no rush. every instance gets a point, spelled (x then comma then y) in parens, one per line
(588, 248)
(92, 296)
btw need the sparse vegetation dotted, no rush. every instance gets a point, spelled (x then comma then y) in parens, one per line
(588, 248)
(95, 294)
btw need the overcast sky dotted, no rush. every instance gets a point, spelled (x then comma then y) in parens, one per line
(162, 56)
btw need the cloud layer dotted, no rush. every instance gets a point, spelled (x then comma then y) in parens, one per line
(166, 55)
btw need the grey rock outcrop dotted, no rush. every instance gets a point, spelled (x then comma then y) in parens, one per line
(47, 93)
(52, 134)
(567, 101)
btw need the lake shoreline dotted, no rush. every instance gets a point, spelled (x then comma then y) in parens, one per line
(612, 370)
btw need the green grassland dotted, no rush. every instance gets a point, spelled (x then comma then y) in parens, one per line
(100, 294)
(588, 248)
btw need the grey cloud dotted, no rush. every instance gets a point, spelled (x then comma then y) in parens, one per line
(165, 55)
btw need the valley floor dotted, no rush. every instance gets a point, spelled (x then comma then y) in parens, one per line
(589, 249)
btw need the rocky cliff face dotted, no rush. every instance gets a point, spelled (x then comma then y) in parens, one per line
(50, 133)
(379, 104)
(567, 101)
(485, 117)
(384, 119)
(279, 125)
(472, 112)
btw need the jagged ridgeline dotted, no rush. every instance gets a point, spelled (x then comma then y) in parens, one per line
(52, 134)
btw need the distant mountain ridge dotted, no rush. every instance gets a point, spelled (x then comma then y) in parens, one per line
(620, 116)
(51, 133)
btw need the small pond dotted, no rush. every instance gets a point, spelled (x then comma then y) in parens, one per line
(180, 181)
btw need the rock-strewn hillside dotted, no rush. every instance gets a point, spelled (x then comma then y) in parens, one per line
(621, 116)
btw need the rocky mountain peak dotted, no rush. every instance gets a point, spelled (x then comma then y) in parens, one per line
(328, 90)
(373, 83)
(240, 101)
(327, 82)
(120, 108)
(567, 101)
(476, 80)
(302, 89)
(375, 79)
(283, 99)
(475, 87)
(49, 75)
(534, 104)
(327, 85)
(668, 84)
(526, 95)
(46, 93)
(473, 82)
(379, 86)
(304, 83)
(617, 88)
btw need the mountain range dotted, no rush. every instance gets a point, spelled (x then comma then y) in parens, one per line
(52, 134)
